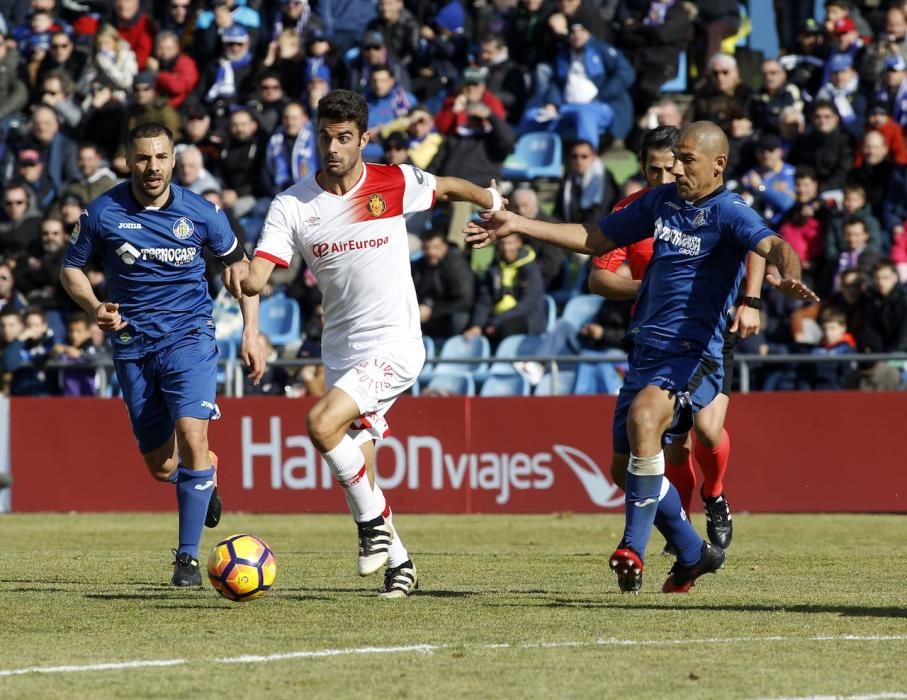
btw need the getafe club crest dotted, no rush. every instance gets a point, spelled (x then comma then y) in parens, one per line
(700, 218)
(183, 228)
(376, 205)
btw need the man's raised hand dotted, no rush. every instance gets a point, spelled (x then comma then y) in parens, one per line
(494, 225)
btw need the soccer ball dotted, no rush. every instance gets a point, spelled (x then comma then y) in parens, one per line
(242, 568)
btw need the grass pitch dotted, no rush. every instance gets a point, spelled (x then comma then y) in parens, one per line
(509, 607)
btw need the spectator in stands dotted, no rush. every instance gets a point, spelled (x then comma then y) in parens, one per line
(422, 139)
(147, 106)
(770, 185)
(857, 252)
(550, 259)
(848, 298)
(230, 78)
(510, 297)
(227, 19)
(240, 170)
(317, 85)
(526, 33)
(826, 148)
(588, 190)
(291, 152)
(95, 178)
(191, 173)
(473, 90)
(843, 90)
(180, 18)
(838, 10)
(805, 67)
(39, 268)
(136, 27)
(30, 170)
(652, 36)
(295, 17)
(777, 93)
(588, 93)
(199, 132)
(570, 12)
(57, 151)
(880, 120)
(374, 54)
(845, 41)
(885, 311)
(387, 101)
(61, 56)
(20, 226)
(791, 126)
(11, 328)
(723, 93)
(445, 287)
(878, 174)
(79, 348)
(444, 49)
(899, 251)
(10, 297)
(804, 224)
(176, 73)
(70, 209)
(268, 104)
(399, 28)
(891, 43)
(26, 356)
(836, 340)
(287, 59)
(503, 77)
(58, 93)
(345, 22)
(854, 204)
(113, 66)
(892, 95)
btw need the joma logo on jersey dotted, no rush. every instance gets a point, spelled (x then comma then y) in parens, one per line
(376, 204)
(319, 250)
(128, 224)
(687, 243)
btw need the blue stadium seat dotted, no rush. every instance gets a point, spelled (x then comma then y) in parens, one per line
(454, 383)
(226, 350)
(575, 280)
(458, 347)
(280, 319)
(428, 368)
(566, 378)
(551, 309)
(581, 309)
(679, 82)
(536, 154)
(505, 385)
(518, 345)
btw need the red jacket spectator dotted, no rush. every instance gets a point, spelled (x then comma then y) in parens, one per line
(894, 139)
(138, 31)
(453, 110)
(177, 81)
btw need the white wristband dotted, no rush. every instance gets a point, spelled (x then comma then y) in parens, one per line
(497, 203)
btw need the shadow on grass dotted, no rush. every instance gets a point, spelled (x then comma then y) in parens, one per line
(842, 610)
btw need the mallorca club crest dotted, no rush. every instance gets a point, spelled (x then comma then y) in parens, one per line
(376, 204)
(183, 228)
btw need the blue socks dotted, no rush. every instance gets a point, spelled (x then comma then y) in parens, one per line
(193, 492)
(673, 523)
(642, 494)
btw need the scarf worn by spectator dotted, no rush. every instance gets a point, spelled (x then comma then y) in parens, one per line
(302, 161)
(225, 79)
(658, 10)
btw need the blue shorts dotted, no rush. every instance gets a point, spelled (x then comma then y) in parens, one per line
(177, 381)
(694, 381)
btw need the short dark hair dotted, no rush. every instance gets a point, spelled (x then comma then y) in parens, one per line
(825, 104)
(832, 314)
(78, 317)
(432, 234)
(854, 219)
(148, 130)
(661, 138)
(34, 310)
(344, 106)
(806, 171)
(10, 310)
(884, 263)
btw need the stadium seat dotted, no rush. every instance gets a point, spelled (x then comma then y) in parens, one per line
(226, 350)
(280, 319)
(518, 345)
(679, 82)
(565, 380)
(458, 347)
(428, 368)
(505, 385)
(454, 383)
(581, 309)
(576, 278)
(536, 154)
(551, 308)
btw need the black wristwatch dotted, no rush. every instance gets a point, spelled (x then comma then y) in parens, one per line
(752, 302)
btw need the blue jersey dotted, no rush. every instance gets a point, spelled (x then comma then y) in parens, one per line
(696, 267)
(152, 260)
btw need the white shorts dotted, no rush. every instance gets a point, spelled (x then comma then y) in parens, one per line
(374, 383)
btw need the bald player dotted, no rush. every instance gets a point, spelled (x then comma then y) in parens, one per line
(702, 234)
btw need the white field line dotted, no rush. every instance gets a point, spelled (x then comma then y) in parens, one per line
(430, 648)
(873, 696)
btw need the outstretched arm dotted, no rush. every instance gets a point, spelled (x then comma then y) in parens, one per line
(78, 286)
(455, 189)
(580, 238)
(747, 320)
(778, 252)
(253, 353)
(611, 285)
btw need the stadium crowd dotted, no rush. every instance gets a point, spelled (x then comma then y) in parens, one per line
(817, 138)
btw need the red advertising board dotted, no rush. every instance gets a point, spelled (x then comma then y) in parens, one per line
(797, 452)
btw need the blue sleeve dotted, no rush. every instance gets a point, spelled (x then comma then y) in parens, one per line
(632, 223)
(221, 239)
(83, 241)
(743, 223)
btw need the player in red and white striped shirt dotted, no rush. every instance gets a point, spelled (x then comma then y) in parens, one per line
(347, 222)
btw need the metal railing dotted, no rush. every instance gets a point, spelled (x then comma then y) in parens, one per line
(234, 372)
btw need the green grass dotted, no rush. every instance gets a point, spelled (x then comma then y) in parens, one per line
(510, 607)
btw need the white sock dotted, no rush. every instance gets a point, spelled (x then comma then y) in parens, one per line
(396, 553)
(348, 464)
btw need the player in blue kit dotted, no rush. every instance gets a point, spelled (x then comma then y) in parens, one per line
(149, 235)
(702, 235)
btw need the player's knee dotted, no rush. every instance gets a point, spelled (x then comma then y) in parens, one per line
(619, 470)
(709, 432)
(322, 426)
(647, 418)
